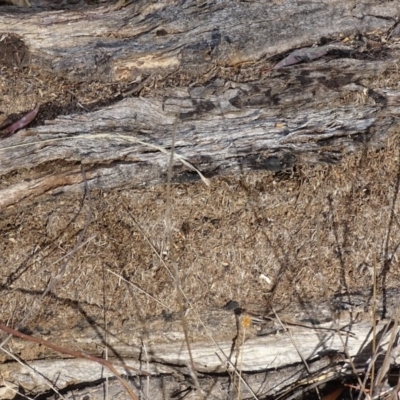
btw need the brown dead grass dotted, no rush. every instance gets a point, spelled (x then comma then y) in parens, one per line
(333, 220)
(329, 220)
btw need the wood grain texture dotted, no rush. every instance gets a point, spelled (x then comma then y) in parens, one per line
(160, 37)
(239, 132)
(263, 356)
(305, 113)
(259, 355)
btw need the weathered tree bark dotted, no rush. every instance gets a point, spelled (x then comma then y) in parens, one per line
(310, 112)
(229, 115)
(270, 359)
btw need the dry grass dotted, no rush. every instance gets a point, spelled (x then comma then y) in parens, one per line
(261, 240)
(222, 238)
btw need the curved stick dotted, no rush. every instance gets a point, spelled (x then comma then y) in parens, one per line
(25, 120)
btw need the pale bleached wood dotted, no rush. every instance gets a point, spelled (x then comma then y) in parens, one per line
(261, 355)
(275, 359)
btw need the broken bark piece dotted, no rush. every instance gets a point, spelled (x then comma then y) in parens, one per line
(25, 120)
(306, 54)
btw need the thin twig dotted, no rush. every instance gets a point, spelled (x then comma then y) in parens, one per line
(20, 395)
(292, 340)
(50, 286)
(150, 243)
(25, 365)
(354, 369)
(386, 362)
(177, 279)
(105, 329)
(373, 323)
(25, 120)
(287, 330)
(148, 370)
(79, 243)
(139, 289)
(225, 357)
(73, 353)
(246, 322)
(109, 136)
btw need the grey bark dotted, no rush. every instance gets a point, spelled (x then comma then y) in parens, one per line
(313, 112)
